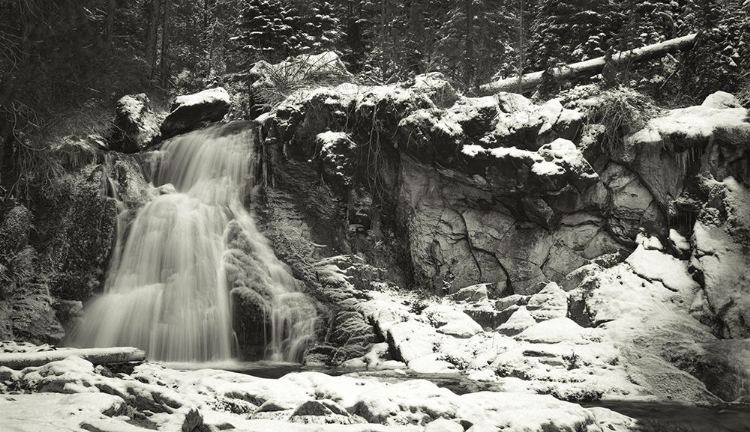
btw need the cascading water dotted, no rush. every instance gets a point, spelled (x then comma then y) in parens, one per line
(167, 290)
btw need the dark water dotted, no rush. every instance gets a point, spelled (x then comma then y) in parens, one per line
(665, 417)
(651, 416)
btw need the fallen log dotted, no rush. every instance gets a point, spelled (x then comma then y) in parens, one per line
(590, 67)
(97, 356)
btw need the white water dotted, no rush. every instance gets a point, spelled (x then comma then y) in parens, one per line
(167, 289)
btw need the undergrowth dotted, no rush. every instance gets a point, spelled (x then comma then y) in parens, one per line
(302, 72)
(621, 111)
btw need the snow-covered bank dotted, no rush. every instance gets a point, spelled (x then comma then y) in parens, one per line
(73, 395)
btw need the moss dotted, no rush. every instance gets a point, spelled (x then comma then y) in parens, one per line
(85, 243)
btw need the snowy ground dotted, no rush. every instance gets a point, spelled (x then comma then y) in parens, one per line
(537, 357)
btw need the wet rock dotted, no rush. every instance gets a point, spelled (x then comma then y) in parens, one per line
(135, 124)
(190, 111)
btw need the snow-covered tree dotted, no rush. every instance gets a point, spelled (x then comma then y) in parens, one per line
(264, 30)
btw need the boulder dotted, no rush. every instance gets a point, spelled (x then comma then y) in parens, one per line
(473, 293)
(324, 411)
(135, 123)
(191, 111)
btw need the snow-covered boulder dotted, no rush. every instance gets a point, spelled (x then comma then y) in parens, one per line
(517, 323)
(473, 293)
(190, 111)
(721, 100)
(136, 124)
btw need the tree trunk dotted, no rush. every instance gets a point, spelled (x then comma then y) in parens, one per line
(165, 46)
(528, 82)
(109, 30)
(152, 27)
(469, 61)
(96, 356)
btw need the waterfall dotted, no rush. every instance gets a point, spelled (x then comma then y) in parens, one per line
(168, 288)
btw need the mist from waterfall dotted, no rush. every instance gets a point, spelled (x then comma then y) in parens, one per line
(168, 288)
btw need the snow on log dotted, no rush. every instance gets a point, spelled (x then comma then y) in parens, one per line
(96, 356)
(591, 66)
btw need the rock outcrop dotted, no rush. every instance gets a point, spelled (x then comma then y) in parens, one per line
(488, 190)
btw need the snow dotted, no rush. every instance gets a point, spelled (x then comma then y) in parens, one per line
(51, 412)
(655, 265)
(649, 243)
(554, 331)
(545, 168)
(210, 96)
(696, 122)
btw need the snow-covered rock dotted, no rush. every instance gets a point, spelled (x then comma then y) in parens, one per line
(190, 111)
(518, 322)
(721, 100)
(722, 252)
(473, 293)
(549, 303)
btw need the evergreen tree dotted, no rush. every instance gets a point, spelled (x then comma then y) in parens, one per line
(264, 31)
(321, 30)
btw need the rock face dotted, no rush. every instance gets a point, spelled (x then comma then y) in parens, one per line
(486, 190)
(55, 249)
(721, 255)
(191, 111)
(135, 124)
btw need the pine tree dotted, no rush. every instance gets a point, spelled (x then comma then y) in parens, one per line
(264, 31)
(321, 29)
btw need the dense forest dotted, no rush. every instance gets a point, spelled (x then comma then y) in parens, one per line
(67, 61)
